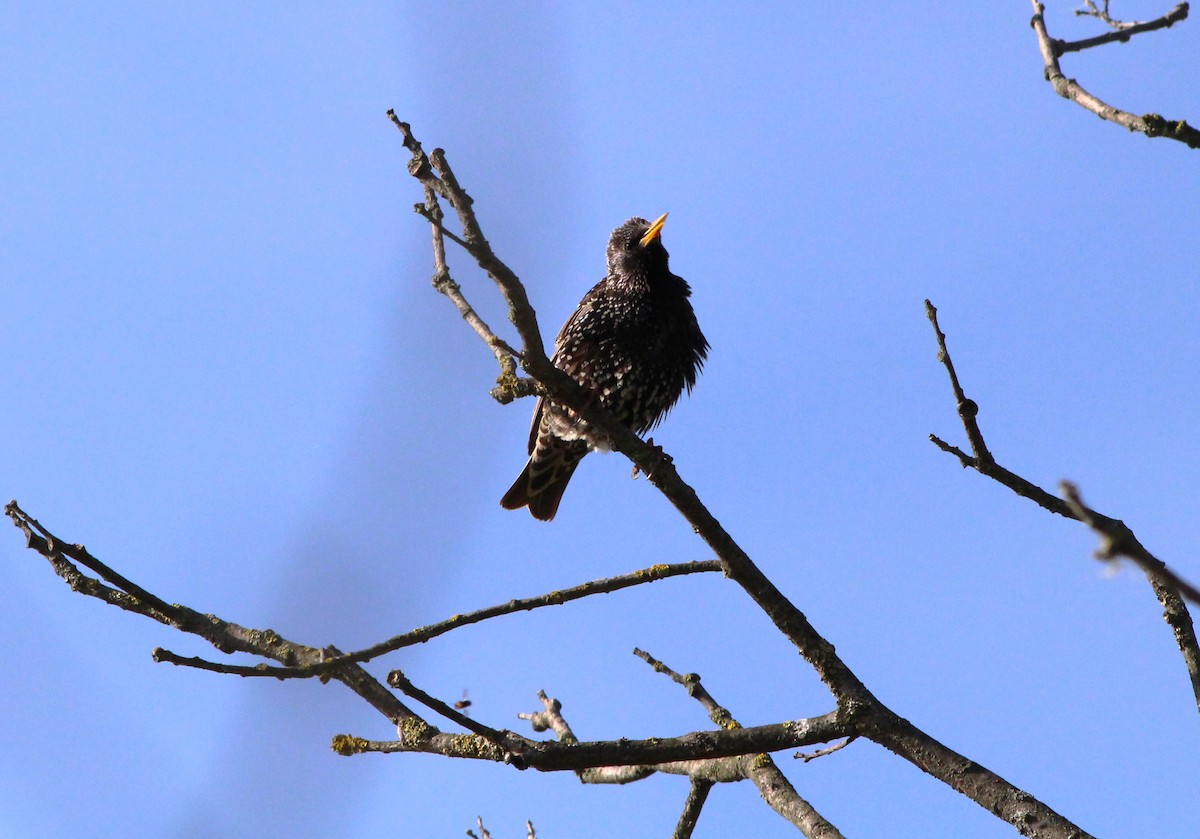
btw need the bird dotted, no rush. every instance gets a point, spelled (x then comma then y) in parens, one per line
(633, 343)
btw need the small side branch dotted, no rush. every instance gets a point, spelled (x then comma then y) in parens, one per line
(1152, 125)
(510, 744)
(435, 174)
(509, 385)
(967, 409)
(526, 604)
(1129, 27)
(837, 747)
(697, 795)
(163, 656)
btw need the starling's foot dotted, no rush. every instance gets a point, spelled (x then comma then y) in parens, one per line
(663, 457)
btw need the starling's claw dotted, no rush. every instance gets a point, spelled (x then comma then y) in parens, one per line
(663, 457)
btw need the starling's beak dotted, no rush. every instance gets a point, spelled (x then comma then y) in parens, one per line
(655, 230)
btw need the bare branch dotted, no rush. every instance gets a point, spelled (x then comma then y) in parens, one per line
(1152, 125)
(1128, 28)
(509, 385)
(527, 604)
(225, 636)
(648, 756)
(697, 691)
(696, 746)
(697, 795)
(854, 699)
(772, 784)
(808, 756)
(967, 409)
(1119, 539)
(164, 656)
(415, 733)
(483, 831)
(512, 744)
(446, 186)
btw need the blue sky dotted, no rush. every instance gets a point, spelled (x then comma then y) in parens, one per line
(228, 376)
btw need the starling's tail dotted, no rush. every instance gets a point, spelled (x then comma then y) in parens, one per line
(544, 480)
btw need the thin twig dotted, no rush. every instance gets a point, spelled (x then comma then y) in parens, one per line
(828, 750)
(968, 410)
(1092, 10)
(483, 831)
(525, 604)
(691, 681)
(510, 386)
(446, 186)
(45, 542)
(1124, 31)
(164, 656)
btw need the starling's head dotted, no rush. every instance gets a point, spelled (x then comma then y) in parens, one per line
(636, 247)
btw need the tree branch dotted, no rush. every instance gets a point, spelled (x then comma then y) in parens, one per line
(1152, 125)
(697, 795)
(856, 703)
(509, 385)
(773, 785)
(1124, 29)
(527, 604)
(1118, 538)
(415, 733)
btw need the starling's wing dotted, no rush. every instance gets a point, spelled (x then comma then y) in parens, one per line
(571, 327)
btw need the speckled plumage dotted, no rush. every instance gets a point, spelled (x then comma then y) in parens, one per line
(634, 342)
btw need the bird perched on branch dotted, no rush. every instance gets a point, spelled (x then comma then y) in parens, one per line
(633, 343)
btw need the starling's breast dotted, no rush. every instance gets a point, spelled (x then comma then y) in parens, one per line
(634, 349)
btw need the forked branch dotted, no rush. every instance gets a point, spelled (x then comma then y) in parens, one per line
(1152, 125)
(859, 711)
(1117, 538)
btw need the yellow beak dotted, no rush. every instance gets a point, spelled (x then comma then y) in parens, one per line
(655, 230)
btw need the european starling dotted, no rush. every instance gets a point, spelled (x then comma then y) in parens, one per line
(633, 343)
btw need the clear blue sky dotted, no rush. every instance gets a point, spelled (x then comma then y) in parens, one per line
(226, 373)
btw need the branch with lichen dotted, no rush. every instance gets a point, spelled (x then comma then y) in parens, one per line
(857, 706)
(414, 733)
(705, 756)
